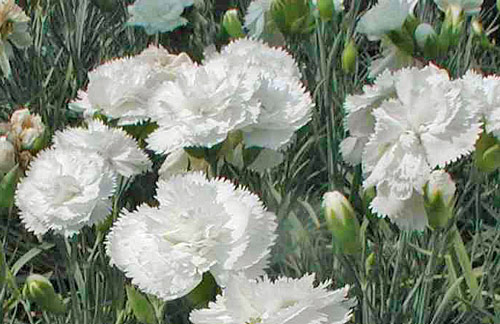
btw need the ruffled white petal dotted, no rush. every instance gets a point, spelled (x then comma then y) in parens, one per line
(290, 301)
(113, 144)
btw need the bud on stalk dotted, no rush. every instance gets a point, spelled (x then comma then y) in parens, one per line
(342, 221)
(232, 24)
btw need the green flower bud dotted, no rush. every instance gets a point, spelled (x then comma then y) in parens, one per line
(369, 264)
(325, 9)
(8, 185)
(232, 24)
(39, 289)
(349, 57)
(424, 34)
(342, 221)
(439, 195)
(291, 16)
(487, 155)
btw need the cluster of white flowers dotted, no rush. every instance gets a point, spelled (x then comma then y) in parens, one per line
(69, 185)
(158, 16)
(212, 226)
(404, 126)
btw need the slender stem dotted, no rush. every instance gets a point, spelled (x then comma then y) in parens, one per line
(458, 247)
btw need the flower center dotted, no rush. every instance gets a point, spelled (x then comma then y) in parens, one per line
(65, 189)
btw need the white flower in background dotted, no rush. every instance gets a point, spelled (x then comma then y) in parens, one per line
(121, 88)
(286, 106)
(158, 16)
(7, 156)
(468, 6)
(115, 146)
(385, 16)
(14, 29)
(25, 128)
(202, 106)
(359, 119)
(201, 225)
(284, 301)
(255, 18)
(65, 190)
(484, 94)
(249, 53)
(427, 125)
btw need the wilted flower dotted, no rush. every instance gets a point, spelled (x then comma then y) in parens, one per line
(158, 16)
(425, 126)
(122, 87)
(385, 16)
(7, 156)
(201, 225)
(13, 29)
(116, 147)
(65, 190)
(255, 19)
(284, 301)
(25, 128)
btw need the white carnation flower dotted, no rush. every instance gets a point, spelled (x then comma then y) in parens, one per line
(121, 88)
(246, 53)
(426, 126)
(255, 18)
(202, 106)
(201, 225)
(385, 16)
(65, 190)
(483, 93)
(284, 301)
(158, 16)
(359, 119)
(116, 147)
(286, 106)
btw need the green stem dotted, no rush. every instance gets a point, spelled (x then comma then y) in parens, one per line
(458, 247)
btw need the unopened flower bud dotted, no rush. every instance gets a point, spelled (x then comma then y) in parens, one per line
(487, 155)
(477, 26)
(423, 34)
(231, 23)
(342, 221)
(439, 198)
(40, 290)
(325, 9)
(26, 128)
(291, 16)
(7, 156)
(349, 57)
